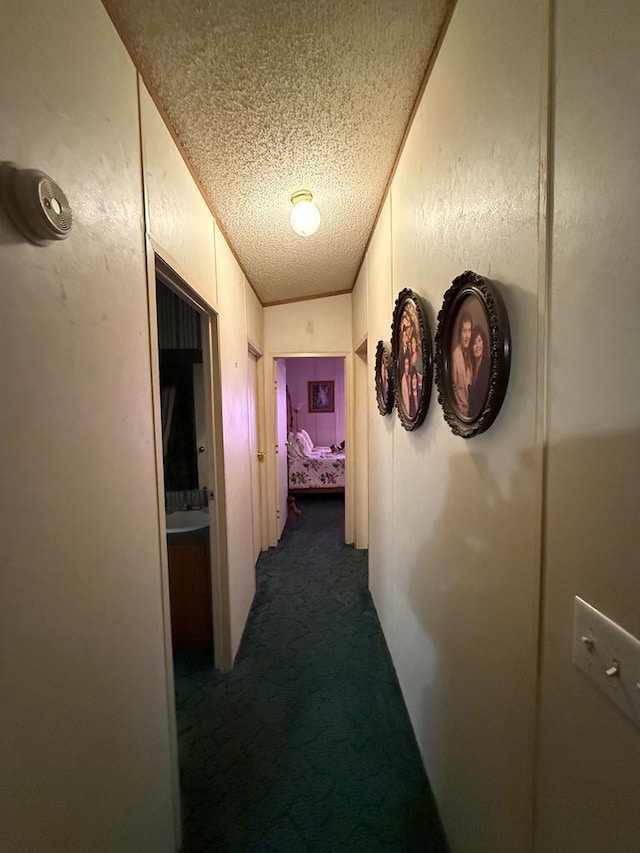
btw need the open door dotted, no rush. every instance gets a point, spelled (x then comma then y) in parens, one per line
(256, 455)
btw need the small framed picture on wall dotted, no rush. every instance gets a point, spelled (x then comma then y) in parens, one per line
(321, 397)
(384, 378)
(473, 354)
(411, 358)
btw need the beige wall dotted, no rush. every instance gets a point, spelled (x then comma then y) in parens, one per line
(360, 447)
(359, 306)
(458, 598)
(85, 747)
(590, 753)
(381, 430)
(182, 226)
(363, 368)
(309, 327)
(454, 541)
(86, 695)
(178, 219)
(255, 318)
(234, 363)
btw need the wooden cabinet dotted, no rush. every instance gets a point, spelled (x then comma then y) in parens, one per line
(190, 594)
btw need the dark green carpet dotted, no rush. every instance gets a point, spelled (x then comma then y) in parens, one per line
(306, 745)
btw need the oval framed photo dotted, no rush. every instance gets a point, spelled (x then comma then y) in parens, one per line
(384, 378)
(412, 358)
(472, 354)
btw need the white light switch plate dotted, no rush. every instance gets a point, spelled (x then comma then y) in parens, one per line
(600, 645)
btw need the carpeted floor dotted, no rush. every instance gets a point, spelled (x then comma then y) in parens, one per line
(306, 745)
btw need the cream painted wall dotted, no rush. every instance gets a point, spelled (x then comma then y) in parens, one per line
(381, 429)
(313, 327)
(181, 224)
(360, 447)
(85, 689)
(455, 528)
(255, 318)
(84, 740)
(178, 219)
(364, 364)
(359, 306)
(590, 753)
(234, 355)
(309, 327)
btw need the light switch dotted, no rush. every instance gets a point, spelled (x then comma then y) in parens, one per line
(609, 655)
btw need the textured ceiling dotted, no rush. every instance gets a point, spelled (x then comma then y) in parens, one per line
(271, 97)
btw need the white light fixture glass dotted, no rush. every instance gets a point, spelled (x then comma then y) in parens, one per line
(305, 216)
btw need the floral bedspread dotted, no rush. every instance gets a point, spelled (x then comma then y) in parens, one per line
(325, 472)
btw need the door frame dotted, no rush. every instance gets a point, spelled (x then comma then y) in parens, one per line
(278, 520)
(256, 352)
(361, 436)
(271, 438)
(161, 265)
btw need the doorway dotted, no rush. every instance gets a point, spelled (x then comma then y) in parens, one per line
(189, 425)
(311, 427)
(186, 493)
(196, 331)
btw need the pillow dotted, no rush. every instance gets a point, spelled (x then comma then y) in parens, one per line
(300, 447)
(303, 437)
(307, 439)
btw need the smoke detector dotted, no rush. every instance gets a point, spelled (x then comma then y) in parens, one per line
(36, 205)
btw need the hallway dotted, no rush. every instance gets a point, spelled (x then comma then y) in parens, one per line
(306, 745)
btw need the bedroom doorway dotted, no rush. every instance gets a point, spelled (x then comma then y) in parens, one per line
(311, 428)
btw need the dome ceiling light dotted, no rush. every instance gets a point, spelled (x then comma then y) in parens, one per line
(305, 216)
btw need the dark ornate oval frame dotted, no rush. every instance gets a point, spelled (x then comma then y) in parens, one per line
(384, 400)
(465, 285)
(426, 351)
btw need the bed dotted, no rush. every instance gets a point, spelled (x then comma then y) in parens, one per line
(312, 468)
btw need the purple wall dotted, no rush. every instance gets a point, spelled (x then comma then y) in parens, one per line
(326, 428)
